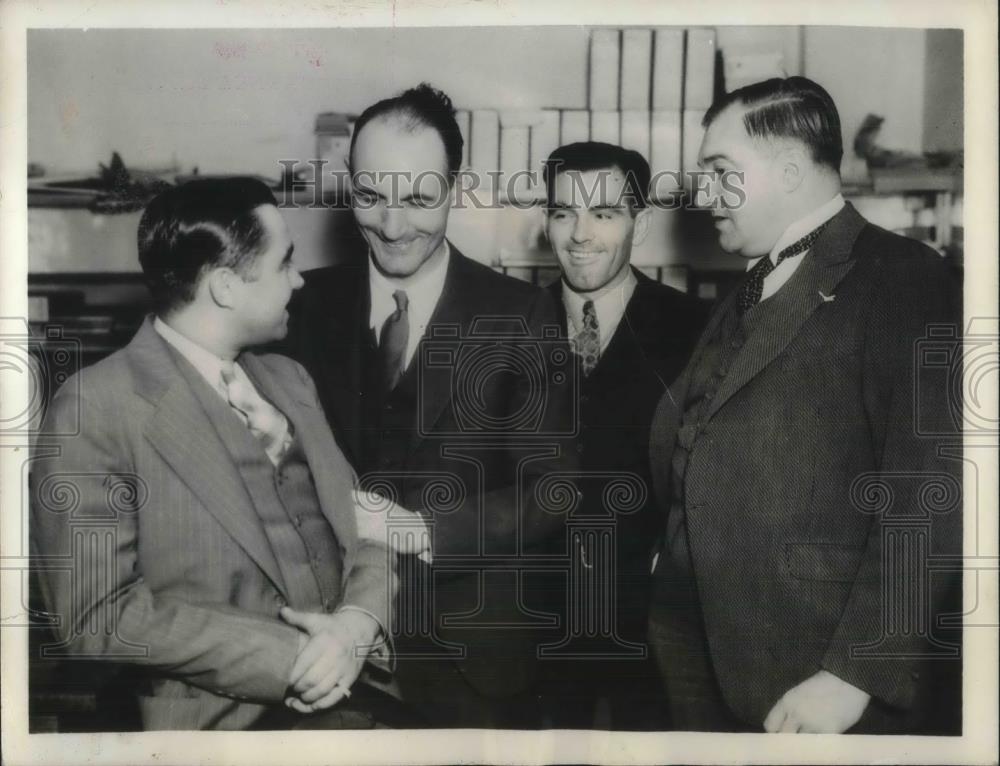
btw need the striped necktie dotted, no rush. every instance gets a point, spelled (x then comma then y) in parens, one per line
(265, 422)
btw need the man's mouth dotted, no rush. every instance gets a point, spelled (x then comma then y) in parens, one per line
(584, 255)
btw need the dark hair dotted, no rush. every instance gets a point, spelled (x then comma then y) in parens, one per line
(197, 226)
(794, 107)
(594, 155)
(422, 106)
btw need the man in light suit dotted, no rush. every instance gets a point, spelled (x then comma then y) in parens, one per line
(782, 601)
(632, 336)
(426, 364)
(234, 576)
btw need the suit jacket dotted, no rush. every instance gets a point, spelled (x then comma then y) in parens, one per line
(810, 464)
(480, 322)
(186, 583)
(647, 352)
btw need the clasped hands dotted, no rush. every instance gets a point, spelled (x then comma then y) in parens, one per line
(332, 650)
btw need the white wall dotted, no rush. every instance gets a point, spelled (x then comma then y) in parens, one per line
(237, 101)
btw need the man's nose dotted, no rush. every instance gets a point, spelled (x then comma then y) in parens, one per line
(581, 229)
(295, 278)
(393, 222)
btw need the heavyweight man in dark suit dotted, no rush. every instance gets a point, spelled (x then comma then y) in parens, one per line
(632, 336)
(447, 394)
(211, 531)
(792, 591)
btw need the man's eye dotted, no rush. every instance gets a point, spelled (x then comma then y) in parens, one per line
(364, 198)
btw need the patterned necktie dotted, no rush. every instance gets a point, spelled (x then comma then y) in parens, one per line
(265, 422)
(753, 288)
(392, 341)
(587, 342)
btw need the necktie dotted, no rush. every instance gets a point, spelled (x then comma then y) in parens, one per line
(265, 422)
(392, 341)
(587, 342)
(753, 288)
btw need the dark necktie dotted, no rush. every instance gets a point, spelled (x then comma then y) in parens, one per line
(753, 288)
(392, 341)
(587, 342)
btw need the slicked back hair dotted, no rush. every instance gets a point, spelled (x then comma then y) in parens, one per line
(421, 107)
(793, 107)
(594, 155)
(197, 226)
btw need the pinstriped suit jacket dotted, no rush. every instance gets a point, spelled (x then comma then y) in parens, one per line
(184, 580)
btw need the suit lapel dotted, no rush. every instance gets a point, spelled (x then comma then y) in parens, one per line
(346, 341)
(826, 264)
(433, 383)
(182, 433)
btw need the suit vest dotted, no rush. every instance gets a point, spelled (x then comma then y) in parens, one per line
(285, 500)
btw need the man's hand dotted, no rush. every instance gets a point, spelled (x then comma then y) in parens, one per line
(330, 659)
(373, 513)
(822, 704)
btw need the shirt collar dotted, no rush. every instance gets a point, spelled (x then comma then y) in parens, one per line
(422, 289)
(798, 229)
(208, 365)
(609, 307)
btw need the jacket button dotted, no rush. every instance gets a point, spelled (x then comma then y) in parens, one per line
(280, 600)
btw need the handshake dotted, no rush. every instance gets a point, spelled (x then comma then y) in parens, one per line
(373, 513)
(333, 647)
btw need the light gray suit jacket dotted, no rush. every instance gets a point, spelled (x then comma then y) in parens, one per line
(150, 548)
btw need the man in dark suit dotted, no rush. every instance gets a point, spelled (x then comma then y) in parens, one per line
(201, 523)
(632, 337)
(448, 394)
(792, 590)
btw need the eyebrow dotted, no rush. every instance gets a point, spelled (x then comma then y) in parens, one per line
(712, 158)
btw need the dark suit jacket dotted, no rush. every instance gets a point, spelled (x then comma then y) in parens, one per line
(481, 321)
(648, 351)
(187, 585)
(809, 455)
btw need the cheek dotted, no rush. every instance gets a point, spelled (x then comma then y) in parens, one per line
(428, 222)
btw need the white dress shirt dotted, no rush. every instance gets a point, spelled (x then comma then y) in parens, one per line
(798, 229)
(609, 307)
(210, 367)
(423, 290)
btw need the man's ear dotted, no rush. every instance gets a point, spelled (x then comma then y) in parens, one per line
(792, 161)
(219, 283)
(641, 226)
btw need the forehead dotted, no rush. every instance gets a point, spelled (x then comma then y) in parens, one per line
(726, 135)
(387, 144)
(590, 188)
(277, 237)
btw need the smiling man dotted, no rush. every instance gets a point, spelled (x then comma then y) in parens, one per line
(632, 336)
(781, 600)
(415, 351)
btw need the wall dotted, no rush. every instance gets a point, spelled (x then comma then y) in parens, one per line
(237, 101)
